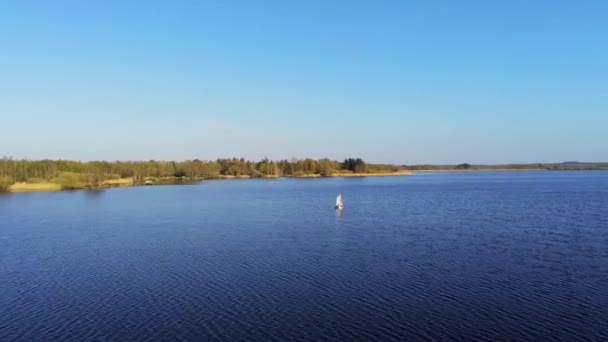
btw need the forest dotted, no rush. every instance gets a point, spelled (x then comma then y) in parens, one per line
(74, 174)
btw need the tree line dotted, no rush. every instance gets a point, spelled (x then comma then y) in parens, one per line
(23, 170)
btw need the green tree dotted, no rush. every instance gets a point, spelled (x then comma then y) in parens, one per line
(354, 165)
(325, 167)
(464, 166)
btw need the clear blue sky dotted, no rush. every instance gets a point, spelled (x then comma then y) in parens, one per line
(387, 81)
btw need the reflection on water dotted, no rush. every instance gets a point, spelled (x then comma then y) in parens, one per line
(94, 192)
(339, 212)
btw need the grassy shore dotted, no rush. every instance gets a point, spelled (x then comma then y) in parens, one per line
(31, 187)
(66, 182)
(118, 182)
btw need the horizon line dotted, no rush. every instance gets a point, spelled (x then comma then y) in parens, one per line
(296, 158)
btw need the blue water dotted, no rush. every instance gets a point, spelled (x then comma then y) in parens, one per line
(497, 256)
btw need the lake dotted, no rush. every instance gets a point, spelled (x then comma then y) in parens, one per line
(471, 256)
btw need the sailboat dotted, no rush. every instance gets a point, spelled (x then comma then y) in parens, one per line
(339, 204)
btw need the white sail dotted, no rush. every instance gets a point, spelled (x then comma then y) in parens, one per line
(339, 203)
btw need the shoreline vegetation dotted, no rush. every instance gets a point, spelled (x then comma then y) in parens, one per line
(55, 175)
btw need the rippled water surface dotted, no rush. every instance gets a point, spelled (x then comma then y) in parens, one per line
(431, 257)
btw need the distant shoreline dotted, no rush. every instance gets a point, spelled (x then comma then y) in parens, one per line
(21, 187)
(127, 182)
(316, 175)
(26, 175)
(485, 170)
(372, 174)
